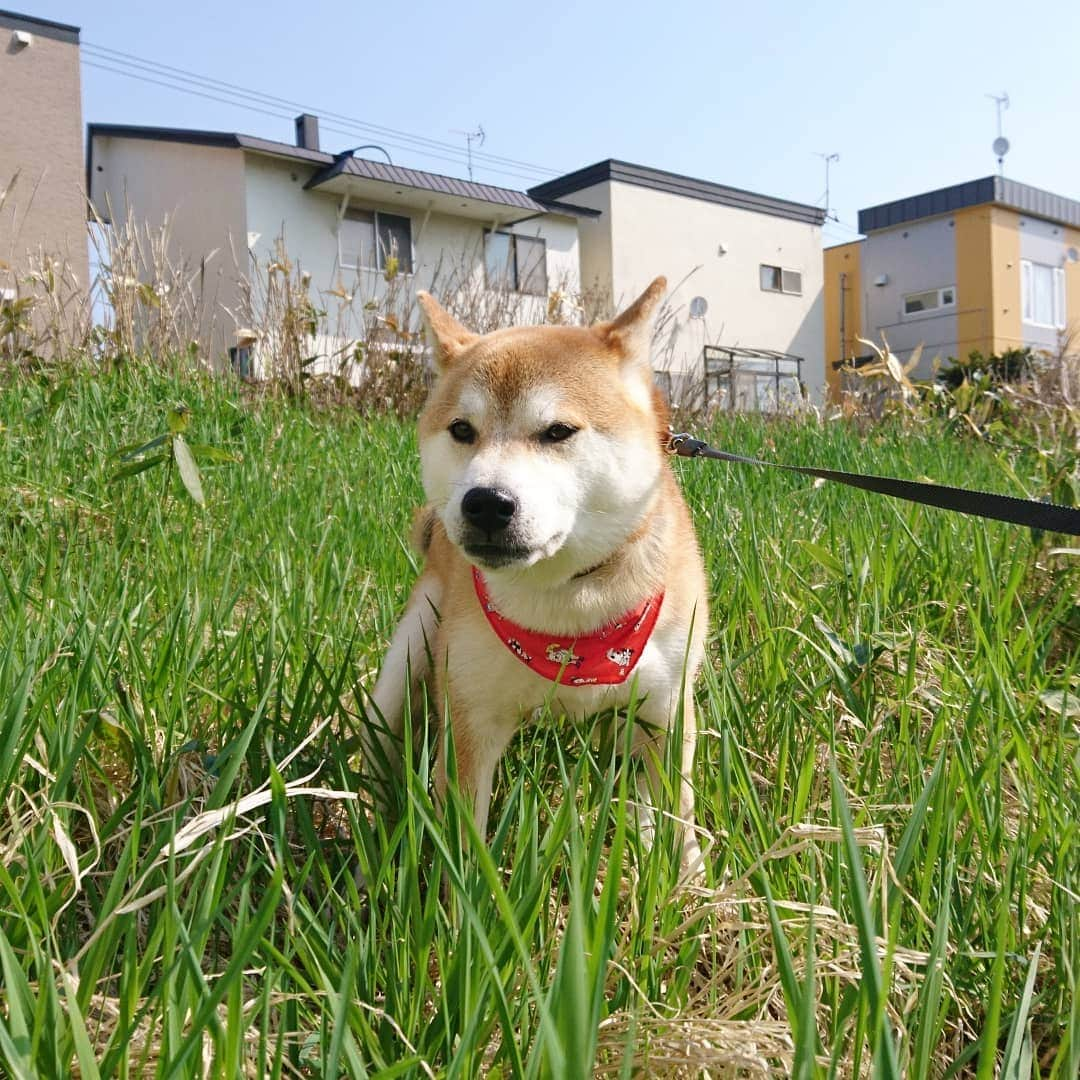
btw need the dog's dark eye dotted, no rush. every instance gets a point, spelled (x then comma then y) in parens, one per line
(557, 433)
(462, 431)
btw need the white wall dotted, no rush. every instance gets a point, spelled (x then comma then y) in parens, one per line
(656, 232)
(199, 192)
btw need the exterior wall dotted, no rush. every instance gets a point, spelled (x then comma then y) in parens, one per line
(194, 196)
(42, 141)
(978, 249)
(1072, 291)
(843, 308)
(595, 242)
(911, 258)
(656, 232)
(988, 289)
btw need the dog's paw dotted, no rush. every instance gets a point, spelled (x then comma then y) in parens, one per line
(692, 863)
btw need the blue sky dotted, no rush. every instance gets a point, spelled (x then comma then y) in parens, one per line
(742, 94)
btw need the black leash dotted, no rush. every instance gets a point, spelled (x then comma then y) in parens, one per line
(1037, 515)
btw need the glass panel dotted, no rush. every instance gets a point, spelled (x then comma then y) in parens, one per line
(1042, 281)
(922, 301)
(497, 263)
(356, 239)
(1026, 304)
(948, 297)
(770, 278)
(395, 241)
(531, 265)
(792, 281)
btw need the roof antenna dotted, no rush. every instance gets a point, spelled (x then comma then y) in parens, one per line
(1001, 144)
(828, 159)
(477, 136)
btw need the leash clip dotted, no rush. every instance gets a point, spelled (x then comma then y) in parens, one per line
(683, 444)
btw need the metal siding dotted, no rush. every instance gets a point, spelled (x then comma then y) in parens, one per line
(425, 181)
(988, 189)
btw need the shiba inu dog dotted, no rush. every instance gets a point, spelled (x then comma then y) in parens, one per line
(561, 562)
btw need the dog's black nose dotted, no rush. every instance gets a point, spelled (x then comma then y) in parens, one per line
(488, 508)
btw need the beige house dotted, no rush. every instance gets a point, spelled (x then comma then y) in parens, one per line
(746, 269)
(356, 226)
(42, 183)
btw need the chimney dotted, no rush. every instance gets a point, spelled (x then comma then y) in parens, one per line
(307, 131)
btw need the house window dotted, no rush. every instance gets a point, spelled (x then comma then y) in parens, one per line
(367, 239)
(929, 300)
(779, 279)
(517, 263)
(240, 361)
(1042, 294)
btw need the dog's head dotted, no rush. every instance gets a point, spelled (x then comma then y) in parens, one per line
(542, 446)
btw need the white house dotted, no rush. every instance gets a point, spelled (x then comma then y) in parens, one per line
(746, 269)
(746, 310)
(354, 225)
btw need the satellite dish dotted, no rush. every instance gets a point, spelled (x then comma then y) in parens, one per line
(698, 306)
(1001, 146)
(1072, 255)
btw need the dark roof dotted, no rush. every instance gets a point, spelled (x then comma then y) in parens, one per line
(14, 20)
(346, 165)
(675, 184)
(990, 189)
(337, 165)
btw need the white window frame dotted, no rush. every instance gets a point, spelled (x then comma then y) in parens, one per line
(781, 270)
(1057, 295)
(380, 261)
(513, 284)
(941, 304)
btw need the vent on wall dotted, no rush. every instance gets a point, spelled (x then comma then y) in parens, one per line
(881, 279)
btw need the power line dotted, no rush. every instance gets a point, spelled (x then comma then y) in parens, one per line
(286, 116)
(446, 151)
(156, 67)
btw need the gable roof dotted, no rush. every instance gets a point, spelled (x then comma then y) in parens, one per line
(990, 189)
(331, 167)
(676, 184)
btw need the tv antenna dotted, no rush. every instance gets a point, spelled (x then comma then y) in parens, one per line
(476, 136)
(828, 159)
(1001, 144)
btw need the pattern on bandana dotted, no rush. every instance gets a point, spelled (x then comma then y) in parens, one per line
(605, 656)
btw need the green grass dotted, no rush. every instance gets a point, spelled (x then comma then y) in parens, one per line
(886, 776)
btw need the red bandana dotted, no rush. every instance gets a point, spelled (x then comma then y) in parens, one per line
(607, 655)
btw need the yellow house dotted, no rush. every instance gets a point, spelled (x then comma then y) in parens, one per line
(990, 265)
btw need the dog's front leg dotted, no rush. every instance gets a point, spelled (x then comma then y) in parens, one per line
(653, 746)
(480, 735)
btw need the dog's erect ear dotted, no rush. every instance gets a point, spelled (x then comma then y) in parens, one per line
(630, 333)
(448, 337)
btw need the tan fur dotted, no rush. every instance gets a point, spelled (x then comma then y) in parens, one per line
(601, 381)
